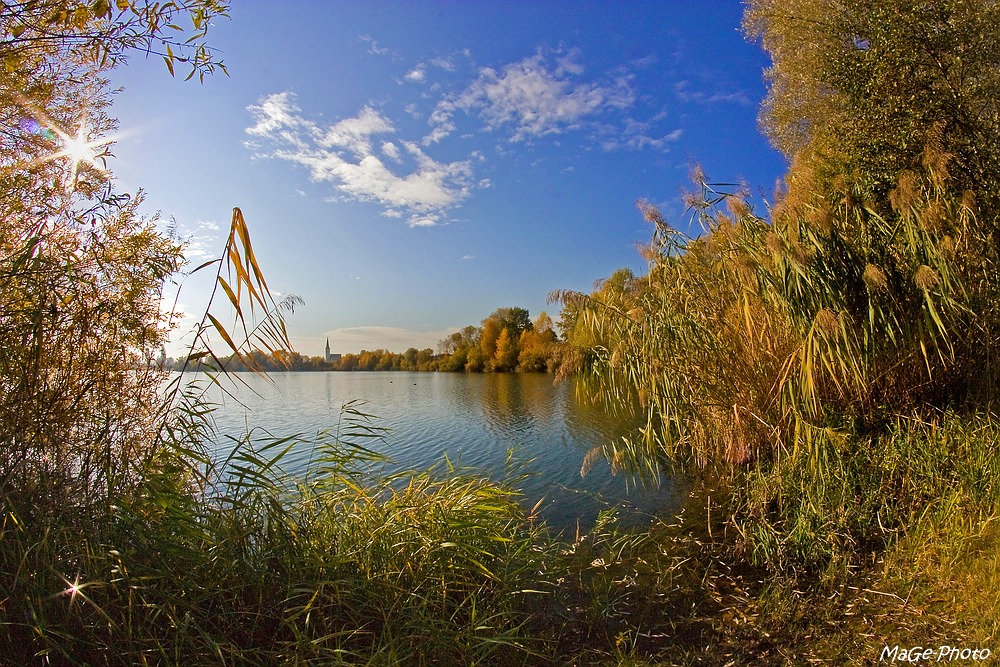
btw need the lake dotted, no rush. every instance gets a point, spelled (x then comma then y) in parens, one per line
(473, 419)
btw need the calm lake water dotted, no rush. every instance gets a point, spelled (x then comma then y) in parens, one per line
(473, 419)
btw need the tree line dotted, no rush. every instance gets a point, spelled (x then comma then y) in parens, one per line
(508, 340)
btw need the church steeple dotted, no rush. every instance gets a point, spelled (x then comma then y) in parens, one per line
(327, 357)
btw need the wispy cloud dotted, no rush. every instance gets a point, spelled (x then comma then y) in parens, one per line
(373, 47)
(368, 158)
(447, 64)
(201, 240)
(394, 339)
(343, 155)
(640, 135)
(532, 97)
(391, 151)
(683, 91)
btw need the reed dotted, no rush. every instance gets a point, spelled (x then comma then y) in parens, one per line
(199, 559)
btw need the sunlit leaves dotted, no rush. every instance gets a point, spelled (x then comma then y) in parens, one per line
(101, 36)
(864, 83)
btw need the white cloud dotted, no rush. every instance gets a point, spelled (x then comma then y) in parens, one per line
(438, 133)
(277, 118)
(568, 64)
(417, 75)
(534, 98)
(343, 155)
(638, 135)
(424, 221)
(201, 240)
(640, 140)
(355, 133)
(468, 257)
(646, 61)
(199, 249)
(390, 151)
(446, 64)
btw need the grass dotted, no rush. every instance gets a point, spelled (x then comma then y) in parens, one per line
(154, 552)
(899, 548)
(444, 567)
(350, 568)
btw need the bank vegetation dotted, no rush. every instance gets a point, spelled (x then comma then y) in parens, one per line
(820, 365)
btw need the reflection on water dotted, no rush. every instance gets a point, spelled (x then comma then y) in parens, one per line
(473, 419)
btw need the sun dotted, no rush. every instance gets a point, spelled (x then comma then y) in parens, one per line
(79, 150)
(75, 150)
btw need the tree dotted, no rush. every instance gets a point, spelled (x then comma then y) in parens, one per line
(101, 37)
(888, 112)
(505, 358)
(543, 326)
(872, 287)
(475, 360)
(532, 352)
(425, 359)
(537, 346)
(488, 340)
(81, 273)
(858, 89)
(513, 319)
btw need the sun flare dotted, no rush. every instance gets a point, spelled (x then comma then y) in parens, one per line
(75, 150)
(79, 150)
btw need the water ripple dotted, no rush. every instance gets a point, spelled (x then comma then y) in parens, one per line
(473, 420)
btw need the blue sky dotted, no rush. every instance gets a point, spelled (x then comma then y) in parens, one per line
(406, 168)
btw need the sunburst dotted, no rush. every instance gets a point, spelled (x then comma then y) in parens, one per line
(78, 150)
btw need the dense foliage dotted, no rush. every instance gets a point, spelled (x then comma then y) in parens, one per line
(777, 349)
(81, 273)
(824, 367)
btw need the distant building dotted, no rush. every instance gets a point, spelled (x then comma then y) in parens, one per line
(331, 357)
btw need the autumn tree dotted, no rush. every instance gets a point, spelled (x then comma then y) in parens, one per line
(81, 272)
(537, 346)
(858, 89)
(505, 358)
(888, 113)
(514, 319)
(409, 361)
(488, 340)
(475, 360)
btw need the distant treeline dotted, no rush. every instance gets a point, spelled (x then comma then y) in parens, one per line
(508, 340)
